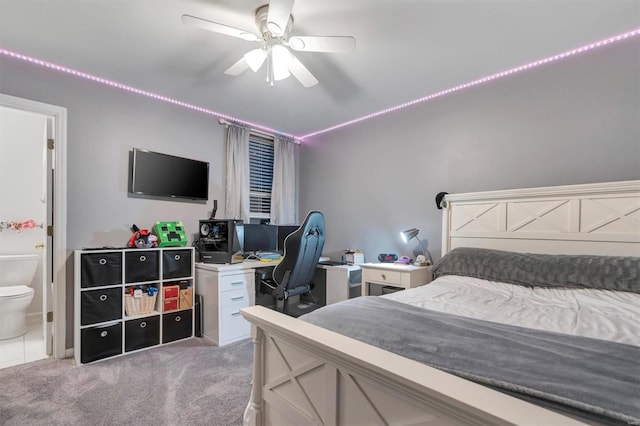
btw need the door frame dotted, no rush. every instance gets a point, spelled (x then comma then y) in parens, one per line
(58, 253)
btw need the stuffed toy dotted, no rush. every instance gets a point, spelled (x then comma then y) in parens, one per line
(142, 238)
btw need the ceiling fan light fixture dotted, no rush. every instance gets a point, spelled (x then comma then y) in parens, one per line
(274, 23)
(296, 43)
(282, 58)
(274, 28)
(255, 58)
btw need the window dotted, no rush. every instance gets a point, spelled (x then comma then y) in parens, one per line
(260, 177)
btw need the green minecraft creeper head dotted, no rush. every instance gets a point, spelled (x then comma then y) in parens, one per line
(170, 234)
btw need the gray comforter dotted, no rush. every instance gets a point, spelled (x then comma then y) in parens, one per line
(591, 378)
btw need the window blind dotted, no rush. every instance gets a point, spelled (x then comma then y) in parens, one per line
(260, 175)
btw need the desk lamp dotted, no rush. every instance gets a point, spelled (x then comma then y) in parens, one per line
(410, 234)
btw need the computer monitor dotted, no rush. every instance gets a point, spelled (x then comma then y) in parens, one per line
(259, 238)
(283, 232)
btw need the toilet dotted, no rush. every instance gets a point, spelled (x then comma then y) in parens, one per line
(16, 274)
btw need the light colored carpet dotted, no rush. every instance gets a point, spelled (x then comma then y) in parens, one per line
(186, 383)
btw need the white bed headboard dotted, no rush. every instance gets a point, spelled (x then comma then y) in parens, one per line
(600, 219)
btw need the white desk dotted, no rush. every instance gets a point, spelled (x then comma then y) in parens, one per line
(340, 280)
(227, 288)
(391, 274)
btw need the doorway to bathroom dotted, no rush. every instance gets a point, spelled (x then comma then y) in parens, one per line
(33, 220)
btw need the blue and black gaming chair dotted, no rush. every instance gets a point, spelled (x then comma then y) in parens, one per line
(294, 274)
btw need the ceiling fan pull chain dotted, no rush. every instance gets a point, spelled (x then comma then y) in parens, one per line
(269, 66)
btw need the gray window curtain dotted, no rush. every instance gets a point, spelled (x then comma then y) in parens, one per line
(283, 192)
(237, 180)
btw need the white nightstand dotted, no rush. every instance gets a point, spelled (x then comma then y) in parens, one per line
(391, 274)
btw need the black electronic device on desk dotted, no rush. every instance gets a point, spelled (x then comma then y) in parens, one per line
(258, 238)
(218, 241)
(387, 258)
(283, 232)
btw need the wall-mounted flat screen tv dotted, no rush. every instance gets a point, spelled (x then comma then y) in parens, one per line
(165, 175)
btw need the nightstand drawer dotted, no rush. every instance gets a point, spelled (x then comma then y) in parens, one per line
(404, 276)
(234, 282)
(382, 276)
(232, 297)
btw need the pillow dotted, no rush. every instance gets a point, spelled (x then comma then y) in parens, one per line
(602, 272)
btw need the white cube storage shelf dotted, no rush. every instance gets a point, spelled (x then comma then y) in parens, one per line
(104, 326)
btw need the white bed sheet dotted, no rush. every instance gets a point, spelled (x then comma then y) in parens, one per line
(599, 314)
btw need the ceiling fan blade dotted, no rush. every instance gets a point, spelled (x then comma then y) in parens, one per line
(301, 73)
(237, 68)
(278, 16)
(255, 58)
(218, 28)
(337, 44)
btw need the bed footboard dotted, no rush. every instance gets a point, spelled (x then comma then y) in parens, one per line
(304, 374)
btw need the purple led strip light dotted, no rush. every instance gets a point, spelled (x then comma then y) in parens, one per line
(607, 41)
(139, 91)
(121, 86)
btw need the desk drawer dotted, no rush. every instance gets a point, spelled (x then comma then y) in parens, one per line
(382, 276)
(233, 297)
(234, 282)
(233, 325)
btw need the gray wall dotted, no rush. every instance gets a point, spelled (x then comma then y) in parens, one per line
(571, 122)
(104, 124)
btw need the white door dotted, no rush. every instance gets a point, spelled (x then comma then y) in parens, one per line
(24, 193)
(47, 271)
(52, 162)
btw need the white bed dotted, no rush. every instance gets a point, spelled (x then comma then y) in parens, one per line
(304, 374)
(599, 314)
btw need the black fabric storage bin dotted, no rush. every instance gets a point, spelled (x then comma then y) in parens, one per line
(98, 269)
(141, 266)
(177, 325)
(100, 342)
(100, 305)
(141, 333)
(176, 264)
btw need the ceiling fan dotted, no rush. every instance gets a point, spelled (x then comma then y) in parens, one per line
(274, 22)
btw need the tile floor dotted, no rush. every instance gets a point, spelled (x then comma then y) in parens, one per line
(27, 348)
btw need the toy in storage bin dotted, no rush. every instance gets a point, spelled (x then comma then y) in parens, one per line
(138, 301)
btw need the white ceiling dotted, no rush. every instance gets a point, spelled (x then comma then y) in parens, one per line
(406, 49)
